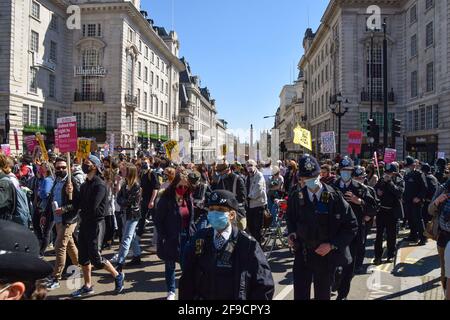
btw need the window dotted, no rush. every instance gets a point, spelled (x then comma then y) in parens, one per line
(156, 105)
(167, 70)
(145, 74)
(157, 82)
(55, 118)
(157, 62)
(416, 120)
(413, 14)
(167, 111)
(167, 88)
(26, 114)
(430, 35)
(34, 116)
(162, 85)
(410, 121)
(414, 45)
(139, 70)
(138, 98)
(153, 57)
(430, 77)
(78, 116)
(54, 22)
(161, 109)
(53, 51)
(34, 42)
(436, 116)
(429, 121)
(146, 52)
(99, 30)
(326, 72)
(152, 77)
(35, 10)
(151, 103)
(414, 79)
(90, 58)
(90, 121)
(51, 85)
(377, 71)
(429, 4)
(422, 118)
(101, 120)
(130, 35)
(140, 46)
(91, 30)
(49, 122)
(33, 84)
(129, 74)
(145, 102)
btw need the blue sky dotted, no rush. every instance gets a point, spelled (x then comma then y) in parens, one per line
(243, 50)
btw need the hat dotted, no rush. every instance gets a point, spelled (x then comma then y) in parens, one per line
(391, 168)
(251, 163)
(223, 198)
(426, 168)
(222, 166)
(275, 170)
(346, 162)
(96, 161)
(359, 172)
(19, 254)
(308, 167)
(409, 161)
(194, 177)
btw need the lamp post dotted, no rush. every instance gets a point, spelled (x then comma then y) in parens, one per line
(192, 133)
(337, 111)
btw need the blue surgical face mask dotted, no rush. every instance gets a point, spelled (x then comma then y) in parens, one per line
(218, 220)
(346, 176)
(313, 184)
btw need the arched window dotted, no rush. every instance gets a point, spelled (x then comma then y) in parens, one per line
(90, 58)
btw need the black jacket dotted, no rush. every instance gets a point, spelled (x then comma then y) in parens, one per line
(168, 223)
(342, 228)
(252, 277)
(432, 184)
(130, 201)
(390, 193)
(91, 201)
(227, 184)
(415, 186)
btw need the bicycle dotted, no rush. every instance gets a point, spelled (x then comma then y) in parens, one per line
(276, 231)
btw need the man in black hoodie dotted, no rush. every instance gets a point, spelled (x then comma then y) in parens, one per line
(91, 203)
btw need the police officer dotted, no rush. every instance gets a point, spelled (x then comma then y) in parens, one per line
(432, 185)
(359, 174)
(414, 198)
(364, 207)
(390, 191)
(321, 226)
(223, 262)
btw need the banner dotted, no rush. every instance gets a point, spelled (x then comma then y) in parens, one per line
(303, 137)
(16, 139)
(390, 155)
(31, 143)
(40, 140)
(67, 134)
(6, 149)
(354, 142)
(328, 142)
(84, 148)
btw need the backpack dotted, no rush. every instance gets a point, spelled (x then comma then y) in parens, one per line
(21, 208)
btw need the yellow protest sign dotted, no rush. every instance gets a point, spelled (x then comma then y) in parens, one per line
(303, 137)
(170, 146)
(84, 149)
(40, 140)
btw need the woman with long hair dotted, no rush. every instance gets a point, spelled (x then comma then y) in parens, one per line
(129, 199)
(174, 221)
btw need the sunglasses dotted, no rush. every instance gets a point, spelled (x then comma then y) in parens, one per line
(61, 168)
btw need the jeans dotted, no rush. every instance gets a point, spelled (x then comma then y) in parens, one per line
(129, 239)
(170, 265)
(255, 221)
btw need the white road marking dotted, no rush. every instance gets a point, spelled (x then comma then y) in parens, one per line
(284, 293)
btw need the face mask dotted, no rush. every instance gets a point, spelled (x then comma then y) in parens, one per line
(313, 184)
(61, 174)
(346, 176)
(86, 168)
(218, 220)
(181, 191)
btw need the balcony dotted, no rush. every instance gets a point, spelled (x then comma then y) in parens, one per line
(377, 96)
(131, 100)
(89, 96)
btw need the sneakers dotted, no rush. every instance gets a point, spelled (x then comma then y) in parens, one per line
(119, 282)
(52, 285)
(115, 259)
(171, 296)
(135, 262)
(377, 262)
(84, 291)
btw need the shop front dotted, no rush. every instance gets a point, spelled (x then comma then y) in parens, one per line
(424, 148)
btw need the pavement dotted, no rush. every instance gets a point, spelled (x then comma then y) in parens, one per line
(414, 275)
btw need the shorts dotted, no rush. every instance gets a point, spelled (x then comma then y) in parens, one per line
(447, 260)
(90, 236)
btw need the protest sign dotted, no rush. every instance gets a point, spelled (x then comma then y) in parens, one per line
(354, 142)
(84, 148)
(303, 137)
(67, 134)
(390, 155)
(31, 143)
(40, 140)
(6, 149)
(328, 142)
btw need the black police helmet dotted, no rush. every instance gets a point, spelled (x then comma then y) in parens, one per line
(346, 162)
(409, 161)
(308, 167)
(223, 198)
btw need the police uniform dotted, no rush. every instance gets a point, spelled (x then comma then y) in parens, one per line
(315, 219)
(390, 193)
(367, 207)
(232, 269)
(415, 187)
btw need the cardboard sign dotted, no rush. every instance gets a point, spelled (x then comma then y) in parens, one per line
(67, 134)
(390, 155)
(354, 142)
(303, 137)
(40, 140)
(31, 143)
(328, 140)
(6, 149)
(84, 148)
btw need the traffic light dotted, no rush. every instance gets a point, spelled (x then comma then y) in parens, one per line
(396, 130)
(283, 147)
(373, 132)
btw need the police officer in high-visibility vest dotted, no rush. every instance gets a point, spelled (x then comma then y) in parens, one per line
(321, 225)
(223, 262)
(364, 205)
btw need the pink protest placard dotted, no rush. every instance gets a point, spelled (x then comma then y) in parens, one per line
(354, 142)
(390, 155)
(6, 149)
(31, 143)
(67, 134)
(56, 139)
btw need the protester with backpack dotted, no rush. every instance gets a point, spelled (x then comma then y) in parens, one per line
(7, 192)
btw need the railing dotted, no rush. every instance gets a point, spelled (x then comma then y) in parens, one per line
(131, 100)
(377, 96)
(89, 96)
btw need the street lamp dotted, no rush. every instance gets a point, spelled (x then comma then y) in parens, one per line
(267, 117)
(192, 133)
(337, 111)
